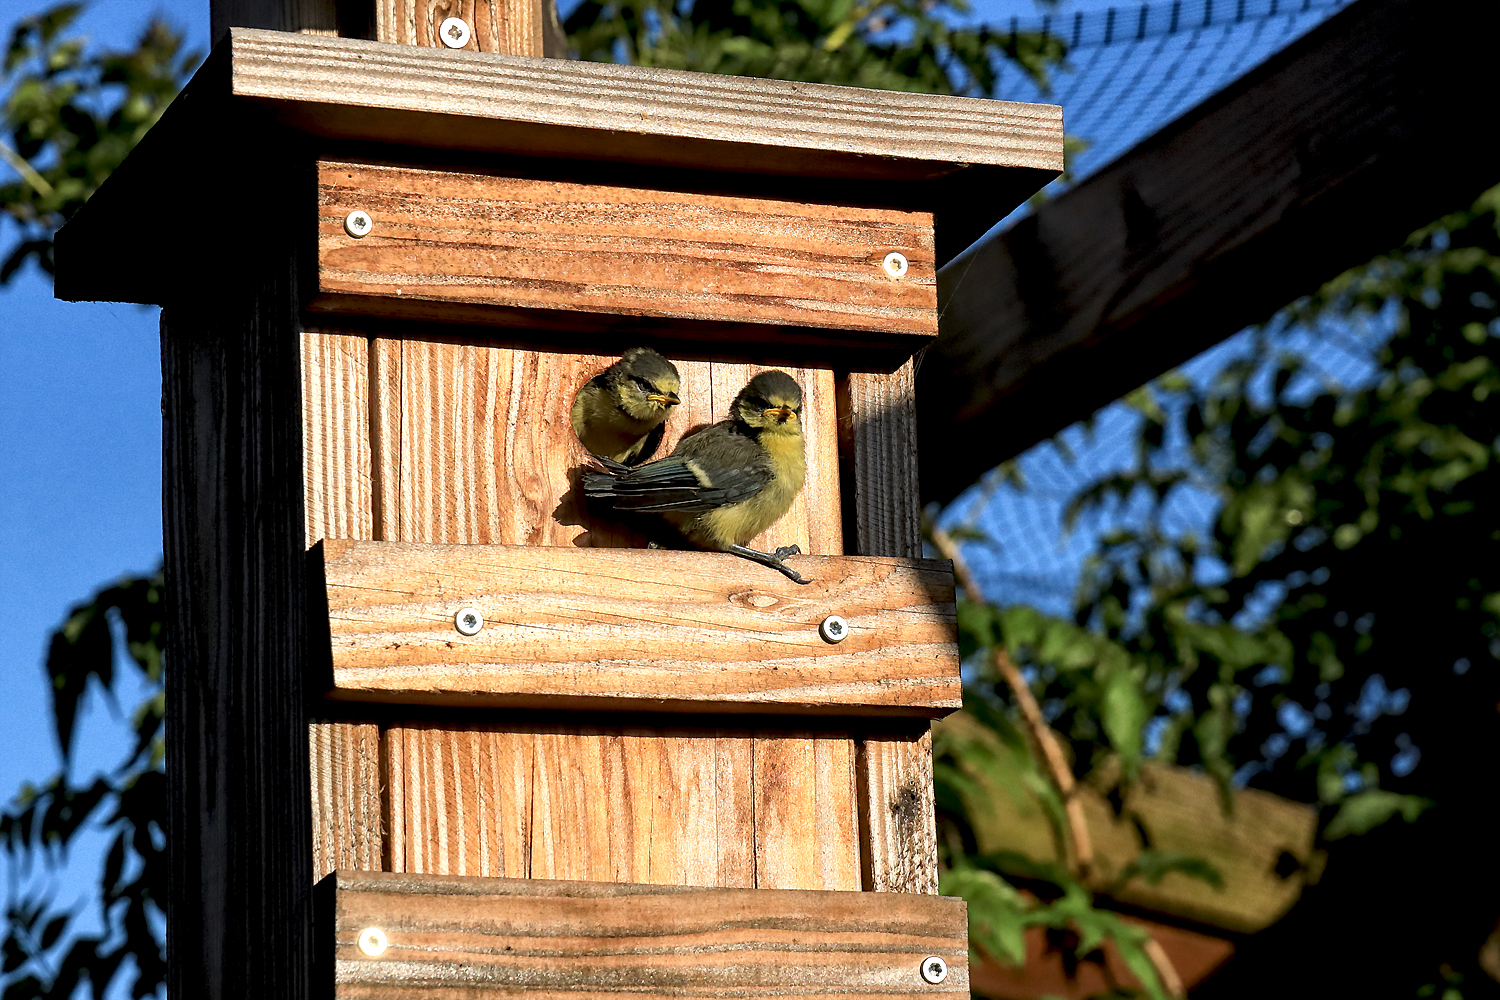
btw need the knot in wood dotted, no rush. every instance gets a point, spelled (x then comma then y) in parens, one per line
(760, 600)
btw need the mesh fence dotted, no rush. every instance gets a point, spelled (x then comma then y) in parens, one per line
(1130, 70)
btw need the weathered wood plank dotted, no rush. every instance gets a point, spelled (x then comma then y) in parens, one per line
(878, 446)
(347, 819)
(897, 812)
(455, 937)
(444, 237)
(1229, 212)
(513, 27)
(337, 502)
(460, 800)
(314, 17)
(806, 820)
(629, 629)
(336, 490)
(664, 806)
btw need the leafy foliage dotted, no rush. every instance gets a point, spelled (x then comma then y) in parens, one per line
(911, 45)
(71, 114)
(1350, 571)
(45, 953)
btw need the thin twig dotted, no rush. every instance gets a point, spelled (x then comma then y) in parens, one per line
(1080, 860)
(1080, 846)
(26, 170)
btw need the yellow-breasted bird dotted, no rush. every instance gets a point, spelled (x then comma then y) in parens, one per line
(729, 482)
(620, 412)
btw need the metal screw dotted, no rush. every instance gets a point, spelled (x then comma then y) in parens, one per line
(834, 629)
(372, 941)
(454, 32)
(468, 621)
(895, 264)
(358, 224)
(934, 969)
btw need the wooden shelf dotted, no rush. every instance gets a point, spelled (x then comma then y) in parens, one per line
(966, 161)
(453, 936)
(639, 629)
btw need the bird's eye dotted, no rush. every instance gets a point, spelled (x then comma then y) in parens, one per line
(642, 384)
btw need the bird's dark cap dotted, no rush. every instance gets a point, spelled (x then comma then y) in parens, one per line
(645, 363)
(773, 386)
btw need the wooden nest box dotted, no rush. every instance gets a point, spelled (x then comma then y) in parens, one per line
(386, 271)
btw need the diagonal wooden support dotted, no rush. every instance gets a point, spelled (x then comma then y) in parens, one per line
(1327, 154)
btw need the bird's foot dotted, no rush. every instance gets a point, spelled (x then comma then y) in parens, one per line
(773, 560)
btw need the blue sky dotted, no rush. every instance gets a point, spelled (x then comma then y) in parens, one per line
(80, 427)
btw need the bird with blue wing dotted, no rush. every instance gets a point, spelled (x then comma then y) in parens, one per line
(727, 483)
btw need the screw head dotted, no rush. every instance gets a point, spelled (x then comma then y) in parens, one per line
(934, 969)
(358, 224)
(468, 621)
(372, 941)
(454, 32)
(834, 629)
(895, 264)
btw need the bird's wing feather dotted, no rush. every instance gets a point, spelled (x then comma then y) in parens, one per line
(712, 469)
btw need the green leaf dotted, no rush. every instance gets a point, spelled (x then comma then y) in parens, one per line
(1153, 865)
(997, 912)
(1125, 710)
(1364, 811)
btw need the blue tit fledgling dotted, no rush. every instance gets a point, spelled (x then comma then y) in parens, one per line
(729, 482)
(620, 412)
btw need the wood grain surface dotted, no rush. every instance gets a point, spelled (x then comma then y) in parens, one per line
(347, 821)
(337, 502)
(442, 237)
(638, 629)
(453, 937)
(512, 27)
(347, 88)
(472, 444)
(878, 448)
(653, 805)
(897, 812)
(1142, 265)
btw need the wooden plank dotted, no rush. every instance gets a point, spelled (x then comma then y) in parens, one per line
(444, 937)
(347, 823)
(444, 237)
(473, 445)
(638, 629)
(513, 27)
(616, 804)
(1180, 813)
(237, 603)
(805, 813)
(878, 447)
(460, 800)
(346, 88)
(337, 502)
(336, 491)
(897, 812)
(1237, 207)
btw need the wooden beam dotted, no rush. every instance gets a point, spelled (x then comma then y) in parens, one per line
(514, 27)
(474, 937)
(239, 921)
(506, 249)
(1329, 153)
(639, 629)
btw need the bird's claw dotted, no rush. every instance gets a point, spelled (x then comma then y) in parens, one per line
(773, 560)
(786, 551)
